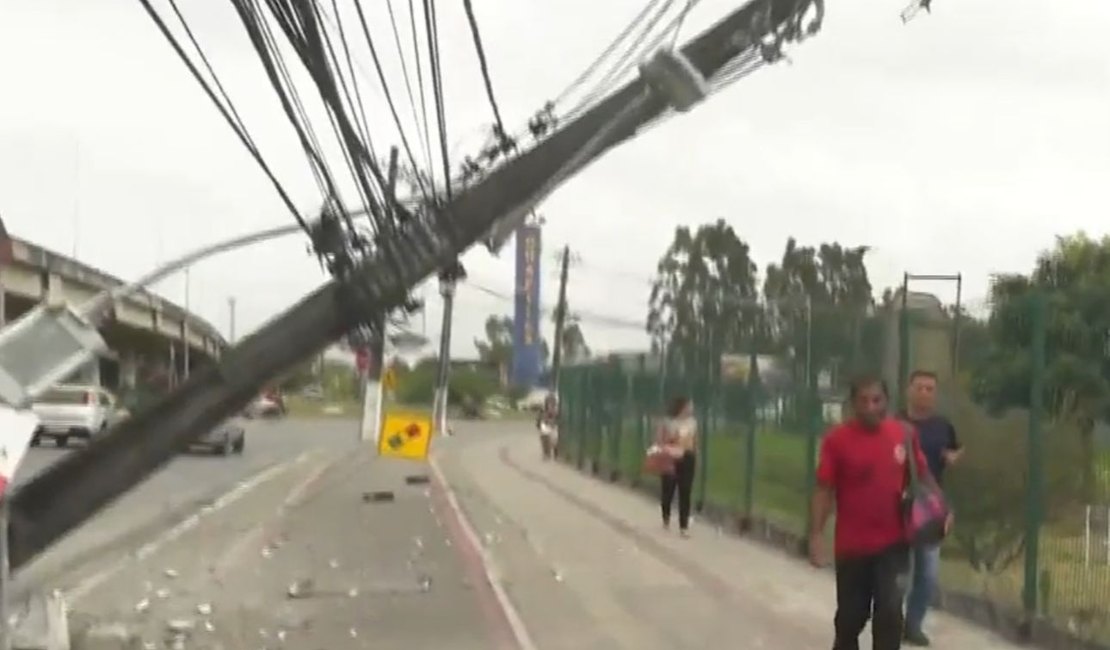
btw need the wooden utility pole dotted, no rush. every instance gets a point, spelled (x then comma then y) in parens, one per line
(560, 319)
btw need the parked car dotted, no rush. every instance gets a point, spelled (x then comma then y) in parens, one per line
(222, 440)
(74, 411)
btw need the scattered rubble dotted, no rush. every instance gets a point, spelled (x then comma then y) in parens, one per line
(379, 496)
(301, 588)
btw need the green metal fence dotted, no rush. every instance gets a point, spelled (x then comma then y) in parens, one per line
(1032, 538)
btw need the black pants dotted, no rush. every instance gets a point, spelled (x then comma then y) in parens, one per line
(871, 587)
(681, 480)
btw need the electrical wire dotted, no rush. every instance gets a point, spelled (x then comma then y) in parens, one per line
(389, 100)
(420, 79)
(432, 29)
(483, 63)
(265, 46)
(364, 126)
(581, 79)
(232, 118)
(422, 135)
(300, 21)
(589, 316)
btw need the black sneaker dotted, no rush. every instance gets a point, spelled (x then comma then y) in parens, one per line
(916, 638)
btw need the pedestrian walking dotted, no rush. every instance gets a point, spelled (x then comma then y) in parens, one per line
(547, 423)
(863, 473)
(677, 437)
(942, 449)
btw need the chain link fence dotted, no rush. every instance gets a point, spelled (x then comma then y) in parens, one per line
(1031, 547)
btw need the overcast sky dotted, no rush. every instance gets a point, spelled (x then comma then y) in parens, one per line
(962, 142)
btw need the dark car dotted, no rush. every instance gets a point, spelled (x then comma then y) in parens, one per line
(223, 440)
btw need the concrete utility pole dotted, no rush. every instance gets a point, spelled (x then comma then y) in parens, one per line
(76, 486)
(560, 319)
(448, 281)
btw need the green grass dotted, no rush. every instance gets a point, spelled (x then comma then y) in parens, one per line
(1073, 595)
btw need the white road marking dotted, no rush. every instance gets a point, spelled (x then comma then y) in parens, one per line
(516, 623)
(81, 589)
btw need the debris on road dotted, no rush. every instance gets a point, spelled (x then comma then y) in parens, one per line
(301, 588)
(417, 479)
(170, 573)
(380, 496)
(204, 609)
(142, 606)
(106, 636)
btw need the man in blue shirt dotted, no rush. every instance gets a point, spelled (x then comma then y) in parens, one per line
(942, 449)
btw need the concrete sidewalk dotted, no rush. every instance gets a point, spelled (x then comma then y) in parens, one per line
(588, 565)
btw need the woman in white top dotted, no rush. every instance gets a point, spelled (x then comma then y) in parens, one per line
(547, 423)
(678, 435)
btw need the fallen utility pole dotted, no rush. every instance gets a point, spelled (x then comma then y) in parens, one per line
(78, 485)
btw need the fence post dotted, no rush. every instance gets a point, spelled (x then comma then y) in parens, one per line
(1034, 496)
(583, 376)
(903, 343)
(813, 432)
(813, 420)
(639, 404)
(754, 388)
(619, 396)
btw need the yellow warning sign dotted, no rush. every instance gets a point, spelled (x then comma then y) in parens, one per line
(405, 434)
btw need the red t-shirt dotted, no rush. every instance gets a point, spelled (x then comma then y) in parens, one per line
(867, 471)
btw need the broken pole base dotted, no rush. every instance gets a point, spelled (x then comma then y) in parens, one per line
(40, 622)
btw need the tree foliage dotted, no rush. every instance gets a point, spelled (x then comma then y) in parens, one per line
(704, 296)
(1073, 281)
(706, 299)
(831, 282)
(497, 348)
(417, 386)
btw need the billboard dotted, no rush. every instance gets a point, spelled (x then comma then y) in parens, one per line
(527, 342)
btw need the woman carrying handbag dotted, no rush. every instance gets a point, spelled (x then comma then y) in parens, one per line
(673, 458)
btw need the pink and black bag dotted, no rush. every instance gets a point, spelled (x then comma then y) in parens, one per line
(925, 508)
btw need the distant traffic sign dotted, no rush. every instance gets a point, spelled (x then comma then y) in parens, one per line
(405, 435)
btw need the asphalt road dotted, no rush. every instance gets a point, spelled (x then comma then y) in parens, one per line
(174, 491)
(306, 558)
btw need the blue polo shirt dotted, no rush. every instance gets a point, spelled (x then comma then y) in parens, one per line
(937, 435)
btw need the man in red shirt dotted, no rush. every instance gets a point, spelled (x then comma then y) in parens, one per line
(862, 472)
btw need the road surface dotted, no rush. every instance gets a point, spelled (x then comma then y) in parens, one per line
(499, 550)
(175, 491)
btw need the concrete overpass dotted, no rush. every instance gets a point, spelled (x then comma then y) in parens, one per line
(148, 334)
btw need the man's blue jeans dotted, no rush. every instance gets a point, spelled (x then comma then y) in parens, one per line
(923, 584)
